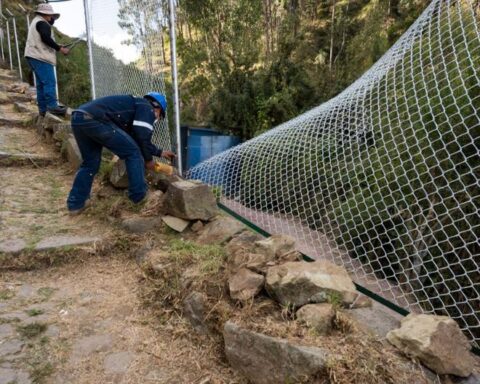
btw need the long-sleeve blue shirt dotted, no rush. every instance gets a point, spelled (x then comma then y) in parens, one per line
(132, 114)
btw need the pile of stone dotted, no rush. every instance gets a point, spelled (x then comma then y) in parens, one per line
(315, 291)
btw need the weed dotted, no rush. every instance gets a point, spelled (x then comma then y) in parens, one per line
(335, 298)
(105, 170)
(9, 320)
(6, 294)
(32, 330)
(40, 372)
(56, 191)
(46, 292)
(34, 312)
(209, 257)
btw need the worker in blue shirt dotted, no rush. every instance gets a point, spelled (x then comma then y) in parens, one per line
(124, 125)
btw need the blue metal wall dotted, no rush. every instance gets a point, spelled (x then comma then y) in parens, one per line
(200, 144)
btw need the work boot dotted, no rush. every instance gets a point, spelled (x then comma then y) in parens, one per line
(76, 212)
(58, 110)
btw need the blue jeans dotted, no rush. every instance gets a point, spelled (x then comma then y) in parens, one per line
(46, 84)
(91, 136)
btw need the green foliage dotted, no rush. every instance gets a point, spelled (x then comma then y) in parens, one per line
(34, 312)
(249, 66)
(209, 258)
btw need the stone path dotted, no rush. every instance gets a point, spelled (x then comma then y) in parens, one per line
(85, 324)
(80, 321)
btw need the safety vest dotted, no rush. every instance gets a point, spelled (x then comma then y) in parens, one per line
(36, 48)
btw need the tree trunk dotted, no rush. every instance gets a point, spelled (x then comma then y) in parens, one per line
(332, 34)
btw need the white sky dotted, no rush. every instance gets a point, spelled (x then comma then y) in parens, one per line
(106, 31)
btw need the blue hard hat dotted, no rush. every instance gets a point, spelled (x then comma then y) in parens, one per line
(158, 101)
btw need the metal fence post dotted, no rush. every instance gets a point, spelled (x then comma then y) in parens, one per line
(16, 43)
(90, 49)
(9, 43)
(2, 37)
(176, 105)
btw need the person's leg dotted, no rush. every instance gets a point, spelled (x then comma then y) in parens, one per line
(41, 102)
(121, 144)
(50, 86)
(91, 152)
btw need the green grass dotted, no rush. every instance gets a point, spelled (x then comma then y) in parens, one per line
(209, 257)
(6, 294)
(30, 331)
(105, 170)
(46, 292)
(40, 371)
(34, 312)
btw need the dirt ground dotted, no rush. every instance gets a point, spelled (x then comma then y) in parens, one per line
(97, 330)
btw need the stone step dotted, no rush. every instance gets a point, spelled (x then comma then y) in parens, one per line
(8, 77)
(22, 120)
(20, 253)
(25, 107)
(18, 159)
(19, 97)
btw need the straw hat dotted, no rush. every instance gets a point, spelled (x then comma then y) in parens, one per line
(46, 9)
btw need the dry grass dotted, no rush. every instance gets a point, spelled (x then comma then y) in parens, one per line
(183, 267)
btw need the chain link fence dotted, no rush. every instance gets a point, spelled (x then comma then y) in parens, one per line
(128, 51)
(384, 178)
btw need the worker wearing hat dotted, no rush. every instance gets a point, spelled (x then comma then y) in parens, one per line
(124, 125)
(40, 52)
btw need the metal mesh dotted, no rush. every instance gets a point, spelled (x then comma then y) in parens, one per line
(127, 51)
(384, 178)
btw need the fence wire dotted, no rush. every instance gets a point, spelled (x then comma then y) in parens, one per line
(384, 178)
(128, 54)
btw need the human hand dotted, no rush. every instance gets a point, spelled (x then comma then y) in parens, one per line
(150, 165)
(65, 50)
(169, 155)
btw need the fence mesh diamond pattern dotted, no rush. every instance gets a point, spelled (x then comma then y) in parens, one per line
(128, 54)
(384, 178)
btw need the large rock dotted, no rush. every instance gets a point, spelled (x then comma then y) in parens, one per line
(243, 242)
(162, 181)
(317, 316)
(276, 245)
(175, 223)
(252, 251)
(257, 262)
(299, 283)
(268, 360)
(61, 132)
(74, 156)
(220, 230)
(437, 342)
(191, 201)
(245, 284)
(119, 177)
(49, 121)
(194, 311)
